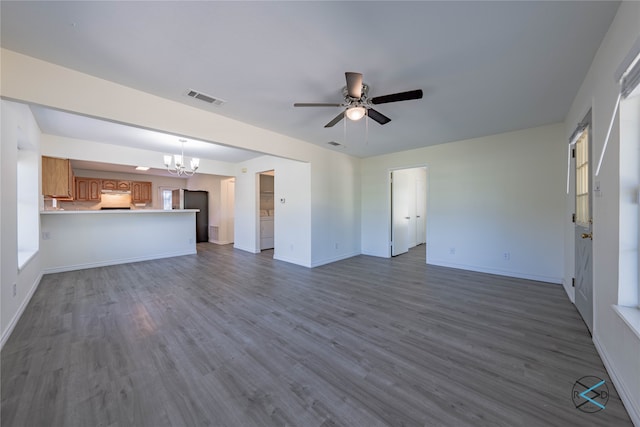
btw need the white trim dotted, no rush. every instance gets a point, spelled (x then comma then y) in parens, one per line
(246, 248)
(631, 404)
(631, 316)
(221, 242)
(116, 261)
(334, 259)
(18, 315)
(606, 139)
(547, 279)
(290, 260)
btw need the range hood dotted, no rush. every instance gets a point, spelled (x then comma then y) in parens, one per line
(116, 192)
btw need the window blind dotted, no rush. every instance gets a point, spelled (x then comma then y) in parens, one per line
(628, 72)
(628, 75)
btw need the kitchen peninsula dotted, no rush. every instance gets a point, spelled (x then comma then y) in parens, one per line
(77, 239)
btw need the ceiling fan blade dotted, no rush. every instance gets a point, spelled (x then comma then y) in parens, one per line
(354, 84)
(395, 97)
(335, 120)
(378, 116)
(315, 104)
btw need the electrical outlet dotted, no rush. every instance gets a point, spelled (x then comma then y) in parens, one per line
(506, 256)
(452, 251)
(15, 289)
(191, 241)
(46, 235)
(336, 245)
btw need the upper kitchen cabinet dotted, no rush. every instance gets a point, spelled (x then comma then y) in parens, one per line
(88, 189)
(112, 184)
(140, 192)
(57, 178)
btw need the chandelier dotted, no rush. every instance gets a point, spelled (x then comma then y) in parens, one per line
(179, 161)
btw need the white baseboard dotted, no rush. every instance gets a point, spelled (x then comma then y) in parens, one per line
(246, 249)
(631, 403)
(508, 273)
(221, 242)
(291, 261)
(330, 260)
(18, 315)
(105, 263)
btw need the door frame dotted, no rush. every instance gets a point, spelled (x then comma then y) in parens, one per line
(577, 229)
(272, 172)
(389, 218)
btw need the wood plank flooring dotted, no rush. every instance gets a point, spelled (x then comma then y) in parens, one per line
(228, 338)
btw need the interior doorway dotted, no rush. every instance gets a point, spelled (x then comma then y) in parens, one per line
(266, 209)
(584, 223)
(408, 209)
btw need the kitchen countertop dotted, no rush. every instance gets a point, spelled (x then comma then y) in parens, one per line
(117, 211)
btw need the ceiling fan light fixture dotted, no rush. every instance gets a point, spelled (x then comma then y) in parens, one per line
(355, 113)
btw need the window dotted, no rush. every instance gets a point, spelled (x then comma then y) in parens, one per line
(628, 74)
(582, 179)
(167, 197)
(629, 288)
(28, 221)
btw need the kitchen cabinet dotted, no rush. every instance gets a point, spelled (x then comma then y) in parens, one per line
(140, 192)
(115, 185)
(88, 189)
(57, 178)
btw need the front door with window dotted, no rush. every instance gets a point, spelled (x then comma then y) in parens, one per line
(583, 226)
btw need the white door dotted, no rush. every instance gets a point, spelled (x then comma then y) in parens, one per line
(400, 212)
(231, 196)
(413, 207)
(421, 206)
(583, 227)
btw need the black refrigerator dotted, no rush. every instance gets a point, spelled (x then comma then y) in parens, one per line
(198, 200)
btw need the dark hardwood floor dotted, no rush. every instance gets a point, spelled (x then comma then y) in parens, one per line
(228, 338)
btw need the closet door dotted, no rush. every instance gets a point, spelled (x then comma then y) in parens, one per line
(400, 197)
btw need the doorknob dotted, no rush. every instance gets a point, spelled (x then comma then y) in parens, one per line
(407, 217)
(587, 236)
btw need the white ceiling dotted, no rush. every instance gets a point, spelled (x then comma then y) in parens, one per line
(485, 67)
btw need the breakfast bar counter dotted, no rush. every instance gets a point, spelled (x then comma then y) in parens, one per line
(77, 239)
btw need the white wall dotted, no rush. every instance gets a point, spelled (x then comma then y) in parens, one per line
(332, 184)
(77, 240)
(618, 345)
(319, 221)
(335, 207)
(77, 149)
(17, 121)
(486, 197)
(292, 222)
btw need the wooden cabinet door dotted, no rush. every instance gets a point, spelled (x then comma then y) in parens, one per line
(57, 178)
(140, 192)
(123, 185)
(87, 190)
(82, 189)
(109, 184)
(94, 190)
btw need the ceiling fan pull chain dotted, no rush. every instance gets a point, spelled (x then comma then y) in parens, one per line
(366, 128)
(344, 135)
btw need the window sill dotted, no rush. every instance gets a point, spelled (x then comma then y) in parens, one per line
(24, 257)
(631, 316)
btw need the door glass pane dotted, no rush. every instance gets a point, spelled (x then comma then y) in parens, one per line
(582, 179)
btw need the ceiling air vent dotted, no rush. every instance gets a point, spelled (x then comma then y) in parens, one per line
(335, 144)
(206, 98)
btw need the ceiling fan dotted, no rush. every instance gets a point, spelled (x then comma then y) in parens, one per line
(357, 103)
